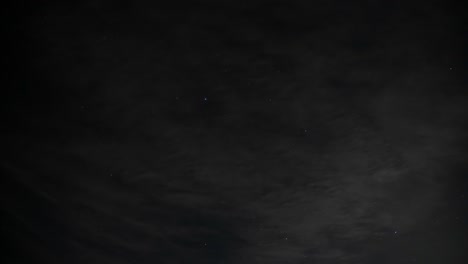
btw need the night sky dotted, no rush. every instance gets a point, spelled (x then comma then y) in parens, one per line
(217, 131)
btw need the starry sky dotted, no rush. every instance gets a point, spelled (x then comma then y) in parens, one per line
(235, 132)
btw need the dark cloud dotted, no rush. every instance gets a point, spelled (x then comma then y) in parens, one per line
(222, 132)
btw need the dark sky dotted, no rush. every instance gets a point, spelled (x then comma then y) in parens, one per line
(235, 132)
